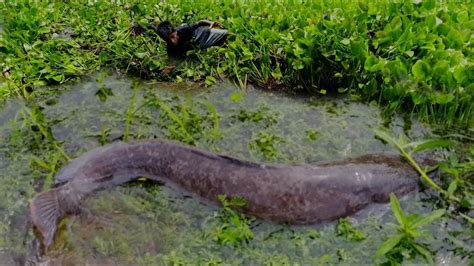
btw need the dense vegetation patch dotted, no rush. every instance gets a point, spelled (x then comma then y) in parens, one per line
(415, 56)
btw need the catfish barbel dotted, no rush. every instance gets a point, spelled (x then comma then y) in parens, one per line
(298, 194)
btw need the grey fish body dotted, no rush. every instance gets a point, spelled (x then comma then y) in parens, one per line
(283, 194)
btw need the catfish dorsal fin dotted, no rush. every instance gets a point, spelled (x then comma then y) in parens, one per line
(44, 214)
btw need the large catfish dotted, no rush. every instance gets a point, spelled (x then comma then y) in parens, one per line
(283, 194)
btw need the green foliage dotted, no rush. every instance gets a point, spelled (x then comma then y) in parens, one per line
(404, 244)
(234, 228)
(263, 113)
(104, 92)
(47, 167)
(407, 55)
(401, 145)
(266, 144)
(188, 123)
(40, 129)
(312, 134)
(346, 229)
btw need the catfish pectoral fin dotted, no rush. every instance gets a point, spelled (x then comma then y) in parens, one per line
(45, 214)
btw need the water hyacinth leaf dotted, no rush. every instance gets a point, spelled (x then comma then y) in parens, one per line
(373, 64)
(359, 49)
(459, 74)
(418, 98)
(388, 245)
(396, 23)
(397, 69)
(429, 4)
(442, 98)
(370, 62)
(441, 68)
(373, 9)
(363, 6)
(455, 38)
(462, 16)
(345, 41)
(421, 70)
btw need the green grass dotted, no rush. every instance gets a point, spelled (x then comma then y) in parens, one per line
(410, 56)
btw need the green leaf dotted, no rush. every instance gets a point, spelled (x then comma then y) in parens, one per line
(453, 186)
(420, 221)
(442, 98)
(431, 144)
(424, 252)
(455, 38)
(140, 55)
(441, 68)
(210, 80)
(460, 74)
(397, 69)
(346, 41)
(373, 64)
(236, 96)
(409, 53)
(397, 210)
(359, 49)
(396, 23)
(58, 78)
(387, 245)
(387, 138)
(429, 4)
(421, 70)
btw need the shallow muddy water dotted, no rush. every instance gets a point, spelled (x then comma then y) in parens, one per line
(144, 223)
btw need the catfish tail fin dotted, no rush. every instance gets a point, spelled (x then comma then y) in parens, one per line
(45, 213)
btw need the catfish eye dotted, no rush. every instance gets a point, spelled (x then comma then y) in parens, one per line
(58, 183)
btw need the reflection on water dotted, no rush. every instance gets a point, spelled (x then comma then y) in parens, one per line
(149, 224)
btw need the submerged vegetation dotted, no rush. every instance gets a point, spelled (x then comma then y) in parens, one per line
(415, 56)
(183, 231)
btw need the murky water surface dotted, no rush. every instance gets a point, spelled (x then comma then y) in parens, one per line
(142, 223)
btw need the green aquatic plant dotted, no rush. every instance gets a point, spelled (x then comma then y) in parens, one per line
(41, 129)
(312, 134)
(405, 243)
(47, 166)
(103, 93)
(234, 228)
(186, 121)
(402, 146)
(266, 144)
(262, 113)
(346, 229)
